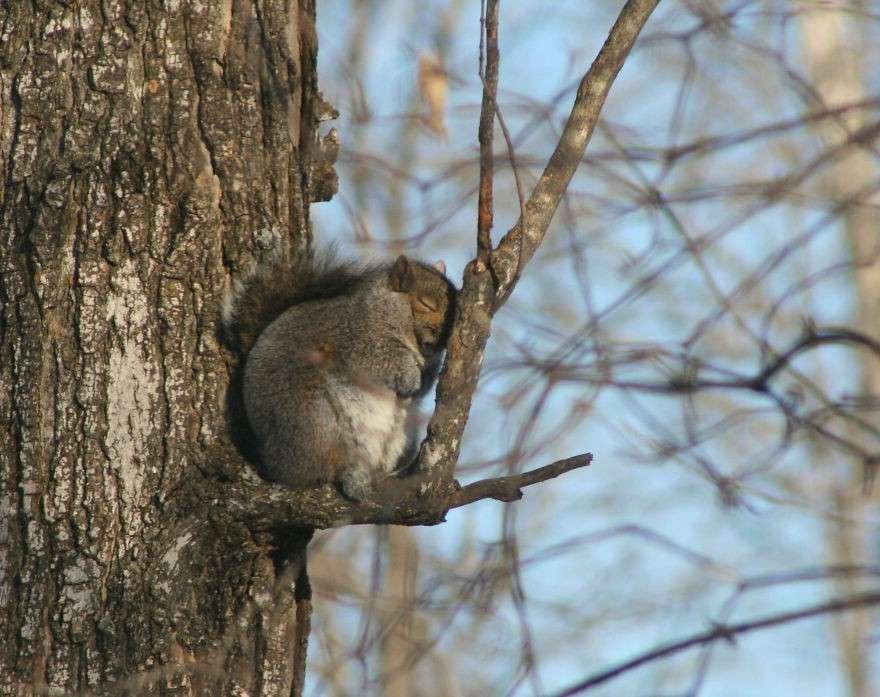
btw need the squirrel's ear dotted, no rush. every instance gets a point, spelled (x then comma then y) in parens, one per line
(440, 265)
(401, 273)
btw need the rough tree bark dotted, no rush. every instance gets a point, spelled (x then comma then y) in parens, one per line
(148, 150)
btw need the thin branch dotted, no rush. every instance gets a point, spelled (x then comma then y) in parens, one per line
(837, 571)
(489, 76)
(483, 292)
(510, 488)
(726, 632)
(687, 384)
(578, 129)
(520, 190)
(812, 339)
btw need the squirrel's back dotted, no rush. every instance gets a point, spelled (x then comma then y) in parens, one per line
(269, 289)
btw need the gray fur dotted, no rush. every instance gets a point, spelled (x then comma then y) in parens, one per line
(330, 386)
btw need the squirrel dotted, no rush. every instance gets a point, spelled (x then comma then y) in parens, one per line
(335, 356)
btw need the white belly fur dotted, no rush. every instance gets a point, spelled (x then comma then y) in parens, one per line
(377, 418)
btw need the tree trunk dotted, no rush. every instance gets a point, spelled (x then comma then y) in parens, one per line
(147, 149)
(839, 79)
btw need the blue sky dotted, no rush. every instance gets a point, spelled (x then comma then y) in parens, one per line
(623, 592)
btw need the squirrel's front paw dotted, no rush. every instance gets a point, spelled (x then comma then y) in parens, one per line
(355, 484)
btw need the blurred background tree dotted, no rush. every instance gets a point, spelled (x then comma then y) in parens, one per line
(688, 320)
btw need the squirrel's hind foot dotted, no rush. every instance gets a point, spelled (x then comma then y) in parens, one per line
(355, 484)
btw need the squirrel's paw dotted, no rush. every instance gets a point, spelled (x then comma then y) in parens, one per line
(355, 484)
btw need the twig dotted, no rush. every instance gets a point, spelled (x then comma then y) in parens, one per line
(759, 382)
(510, 488)
(836, 571)
(489, 76)
(520, 190)
(816, 338)
(727, 632)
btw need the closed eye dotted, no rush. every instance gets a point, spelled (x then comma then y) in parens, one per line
(426, 304)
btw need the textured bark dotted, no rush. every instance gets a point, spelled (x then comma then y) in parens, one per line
(147, 148)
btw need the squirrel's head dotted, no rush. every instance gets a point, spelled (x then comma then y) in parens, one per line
(431, 297)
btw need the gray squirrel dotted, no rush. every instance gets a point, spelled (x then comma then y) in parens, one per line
(335, 357)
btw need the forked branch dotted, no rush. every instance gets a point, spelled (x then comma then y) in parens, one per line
(425, 497)
(487, 285)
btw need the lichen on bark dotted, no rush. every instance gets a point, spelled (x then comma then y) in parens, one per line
(143, 148)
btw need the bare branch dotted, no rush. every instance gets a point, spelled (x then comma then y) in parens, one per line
(510, 488)
(727, 632)
(517, 179)
(489, 76)
(557, 174)
(816, 338)
(483, 292)
(759, 382)
(231, 489)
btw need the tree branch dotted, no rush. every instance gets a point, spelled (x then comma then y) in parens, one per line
(227, 487)
(489, 76)
(510, 488)
(727, 632)
(483, 292)
(524, 238)
(759, 382)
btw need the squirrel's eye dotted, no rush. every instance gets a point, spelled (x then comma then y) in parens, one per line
(426, 304)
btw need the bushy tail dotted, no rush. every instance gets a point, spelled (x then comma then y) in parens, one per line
(262, 295)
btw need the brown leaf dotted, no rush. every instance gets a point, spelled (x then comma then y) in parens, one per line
(433, 85)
